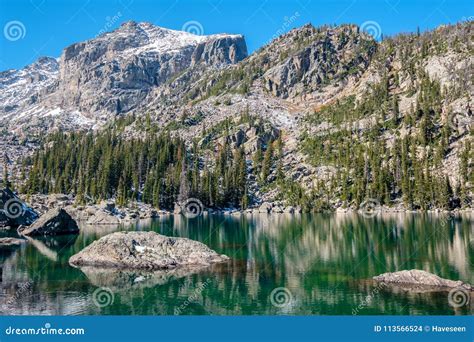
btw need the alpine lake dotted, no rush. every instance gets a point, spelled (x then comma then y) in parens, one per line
(281, 264)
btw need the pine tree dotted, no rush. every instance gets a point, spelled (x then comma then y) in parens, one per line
(267, 162)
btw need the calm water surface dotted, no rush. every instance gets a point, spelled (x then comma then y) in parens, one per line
(280, 265)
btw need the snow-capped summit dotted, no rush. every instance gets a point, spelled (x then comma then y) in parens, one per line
(110, 74)
(24, 87)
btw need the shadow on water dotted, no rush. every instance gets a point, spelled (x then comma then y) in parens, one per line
(320, 263)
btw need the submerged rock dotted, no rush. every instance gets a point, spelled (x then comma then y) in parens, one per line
(145, 250)
(54, 222)
(420, 278)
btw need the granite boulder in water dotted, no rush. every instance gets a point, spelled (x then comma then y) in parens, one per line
(146, 251)
(54, 222)
(420, 278)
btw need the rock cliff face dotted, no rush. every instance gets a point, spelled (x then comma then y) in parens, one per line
(112, 74)
(331, 56)
(20, 89)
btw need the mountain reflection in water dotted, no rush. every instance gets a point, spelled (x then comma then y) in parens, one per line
(323, 263)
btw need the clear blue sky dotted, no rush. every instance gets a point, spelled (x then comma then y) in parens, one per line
(45, 27)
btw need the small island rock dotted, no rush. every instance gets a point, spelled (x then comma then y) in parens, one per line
(145, 250)
(419, 277)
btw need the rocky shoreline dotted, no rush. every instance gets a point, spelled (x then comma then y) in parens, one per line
(107, 212)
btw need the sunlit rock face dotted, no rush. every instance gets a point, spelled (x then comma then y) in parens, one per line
(145, 251)
(94, 80)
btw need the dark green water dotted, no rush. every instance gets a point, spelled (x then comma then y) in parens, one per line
(324, 262)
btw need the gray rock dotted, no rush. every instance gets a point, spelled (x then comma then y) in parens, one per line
(107, 206)
(11, 242)
(145, 250)
(277, 209)
(266, 207)
(78, 214)
(103, 217)
(109, 73)
(54, 222)
(419, 277)
(310, 69)
(91, 210)
(289, 210)
(13, 211)
(177, 209)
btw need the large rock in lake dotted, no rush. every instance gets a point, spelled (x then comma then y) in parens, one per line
(420, 278)
(145, 250)
(54, 222)
(13, 211)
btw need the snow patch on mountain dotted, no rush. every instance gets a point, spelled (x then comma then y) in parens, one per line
(26, 86)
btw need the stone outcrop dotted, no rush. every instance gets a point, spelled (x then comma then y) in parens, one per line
(54, 222)
(13, 211)
(330, 57)
(103, 217)
(145, 250)
(115, 72)
(265, 208)
(420, 278)
(11, 242)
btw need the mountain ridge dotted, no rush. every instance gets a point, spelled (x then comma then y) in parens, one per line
(305, 89)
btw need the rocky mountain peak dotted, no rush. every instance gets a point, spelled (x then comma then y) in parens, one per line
(124, 65)
(110, 74)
